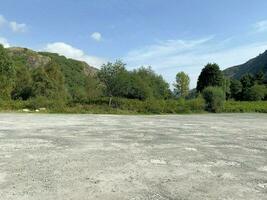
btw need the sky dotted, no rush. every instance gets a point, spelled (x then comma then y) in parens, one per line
(168, 35)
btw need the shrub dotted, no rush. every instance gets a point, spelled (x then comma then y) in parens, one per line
(214, 98)
(197, 104)
(245, 106)
(42, 102)
(256, 93)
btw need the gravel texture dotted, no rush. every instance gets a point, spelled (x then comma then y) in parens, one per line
(113, 157)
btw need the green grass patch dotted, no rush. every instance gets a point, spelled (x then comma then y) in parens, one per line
(245, 106)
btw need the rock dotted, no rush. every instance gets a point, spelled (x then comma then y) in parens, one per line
(25, 110)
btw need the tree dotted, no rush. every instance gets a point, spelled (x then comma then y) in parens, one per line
(247, 82)
(235, 89)
(210, 75)
(182, 84)
(259, 77)
(7, 74)
(214, 98)
(256, 93)
(112, 75)
(158, 87)
(23, 82)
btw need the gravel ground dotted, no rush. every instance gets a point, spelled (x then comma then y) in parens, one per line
(84, 157)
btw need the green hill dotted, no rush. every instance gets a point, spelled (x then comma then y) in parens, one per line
(75, 73)
(253, 66)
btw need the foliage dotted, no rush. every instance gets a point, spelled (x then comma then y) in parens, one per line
(34, 80)
(247, 81)
(226, 87)
(75, 73)
(235, 89)
(48, 82)
(256, 93)
(182, 84)
(7, 74)
(259, 78)
(114, 78)
(214, 97)
(156, 86)
(140, 84)
(210, 75)
(23, 84)
(245, 106)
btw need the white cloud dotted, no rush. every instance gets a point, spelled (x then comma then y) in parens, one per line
(96, 36)
(172, 56)
(13, 25)
(74, 53)
(2, 21)
(261, 26)
(17, 28)
(4, 42)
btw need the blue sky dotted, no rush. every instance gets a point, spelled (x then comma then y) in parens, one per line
(169, 35)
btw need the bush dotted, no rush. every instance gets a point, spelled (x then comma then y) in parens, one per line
(214, 97)
(42, 102)
(256, 93)
(245, 106)
(197, 104)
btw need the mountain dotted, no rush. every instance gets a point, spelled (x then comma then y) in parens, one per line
(253, 66)
(32, 59)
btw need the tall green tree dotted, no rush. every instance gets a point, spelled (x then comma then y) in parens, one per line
(7, 74)
(158, 87)
(235, 89)
(113, 76)
(182, 84)
(247, 82)
(259, 77)
(211, 75)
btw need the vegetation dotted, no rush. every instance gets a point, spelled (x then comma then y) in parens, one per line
(181, 87)
(7, 74)
(211, 75)
(48, 82)
(214, 97)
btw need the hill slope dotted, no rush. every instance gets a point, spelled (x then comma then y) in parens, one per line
(253, 66)
(76, 73)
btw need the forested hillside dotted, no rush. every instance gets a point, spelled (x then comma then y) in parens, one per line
(253, 66)
(47, 74)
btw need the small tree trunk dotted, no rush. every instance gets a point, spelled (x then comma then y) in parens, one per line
(110, 99)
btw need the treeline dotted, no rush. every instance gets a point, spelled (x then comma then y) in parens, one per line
(216, 88)
(65, 83)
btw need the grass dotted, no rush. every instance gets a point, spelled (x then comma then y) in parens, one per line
(128, 106)
(245, 106)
